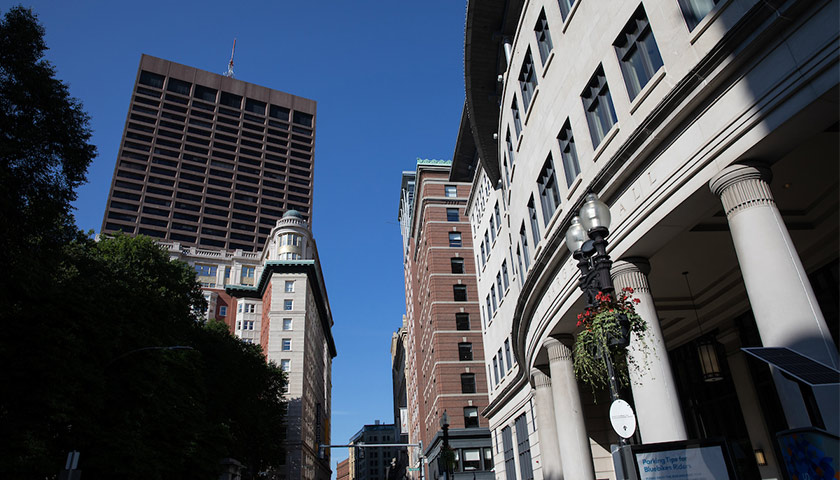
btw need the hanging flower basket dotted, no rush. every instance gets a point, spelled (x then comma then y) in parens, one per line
(606, 328)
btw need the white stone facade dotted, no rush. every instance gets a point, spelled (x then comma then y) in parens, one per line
(674, 156)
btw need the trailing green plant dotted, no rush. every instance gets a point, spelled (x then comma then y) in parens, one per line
(606, 328)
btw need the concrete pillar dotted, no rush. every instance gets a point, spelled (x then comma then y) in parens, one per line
(552, 466)
(654, 390)
(573, 440)
(782, 300)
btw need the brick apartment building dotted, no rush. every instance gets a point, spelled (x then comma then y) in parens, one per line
(444, 358)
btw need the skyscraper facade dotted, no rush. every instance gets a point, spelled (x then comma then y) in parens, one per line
(207, 160)
(444, 357)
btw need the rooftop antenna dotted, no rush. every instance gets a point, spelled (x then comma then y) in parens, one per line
(229, 72)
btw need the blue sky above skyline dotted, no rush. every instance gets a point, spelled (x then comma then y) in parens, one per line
(388, 79)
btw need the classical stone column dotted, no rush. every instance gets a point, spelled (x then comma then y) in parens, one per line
(654, 390)
(573, 440)
(552, 466)
(782, 300)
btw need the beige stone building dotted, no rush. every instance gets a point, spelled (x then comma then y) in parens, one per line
(710, 129)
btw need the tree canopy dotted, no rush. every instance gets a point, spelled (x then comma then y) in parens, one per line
(106, 351)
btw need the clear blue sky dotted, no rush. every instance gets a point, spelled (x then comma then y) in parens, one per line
(388, 79)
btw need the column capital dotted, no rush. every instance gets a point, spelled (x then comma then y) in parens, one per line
(540, 379)
(631, 272)
(558, 350)
(741, 186)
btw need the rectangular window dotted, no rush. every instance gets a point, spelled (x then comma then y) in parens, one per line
(535, 225)
(565, 8)
(467, 383)
(487, 241)
(510, 461)
(472, 459)
(451, 191)
(527, 80)
(288, 304)
(287, 324)
(452, 215)
(290, 286)
(498, 216)
(492, 229)
(493, 297)
(457, 265)
(248, 275)
(496, 370)
(637, 52)
(223, 311)
(462, 321)
(483, 254)
(489, 311)
(598, 105)
(454, 239)
(568, 153)
(499, 287)
(525, 253)
(524, 447)
(509, 143)
(505, 280)
(151, 79)
(507, 353)
(695, 11)
(501, 363)
(286, 365)
(459, 292)
(465, 352)
(249, 324)
(517, 119)
(543, 37)
(548, 190)
(470, 417)
(287, 345)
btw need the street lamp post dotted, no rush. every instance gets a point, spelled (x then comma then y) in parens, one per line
(587, 240)
(444, 453)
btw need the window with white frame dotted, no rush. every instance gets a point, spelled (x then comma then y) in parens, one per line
(498, 216)
(248, 325)
(695, 11)
(527, 80)
(637, 52)
(492, 228)
(548, 190)
(452, 215)
(288, 304)
(543, 37)
(247, 277)
(496, 370)
(505, 279)
(286, 345)
(598, 105)
(524, 238)
(290, 286)
(223, 311)
(565, 7)
(507, 353)
(451, 191)
(517, 119)
(287, 324)
(499, 285)
(509, 144)
(493, 297)
(455, 239)
(535, 224)
(502, 369)
(568, 153)
(285, 365)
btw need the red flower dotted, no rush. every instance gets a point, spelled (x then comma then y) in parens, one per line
(637, 301)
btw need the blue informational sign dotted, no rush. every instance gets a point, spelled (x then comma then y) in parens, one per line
(688, 460)
(809, 454)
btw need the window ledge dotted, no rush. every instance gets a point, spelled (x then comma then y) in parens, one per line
(707, 21)
(606, 141)
(553, 220)
(571, 14)
(518, 144)
(548, 62)
(573, 187)
(652, 83)
(531, 104)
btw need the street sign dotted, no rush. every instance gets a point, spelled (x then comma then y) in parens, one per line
(413, 469)
(622, 418)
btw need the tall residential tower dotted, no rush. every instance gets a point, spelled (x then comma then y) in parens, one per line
(211, 161)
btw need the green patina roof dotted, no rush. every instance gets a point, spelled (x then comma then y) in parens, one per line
(432, 161)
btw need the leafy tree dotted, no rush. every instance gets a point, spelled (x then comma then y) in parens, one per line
(110, 354)
(44, 151)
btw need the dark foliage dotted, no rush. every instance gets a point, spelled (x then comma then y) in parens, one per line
(109, 355)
